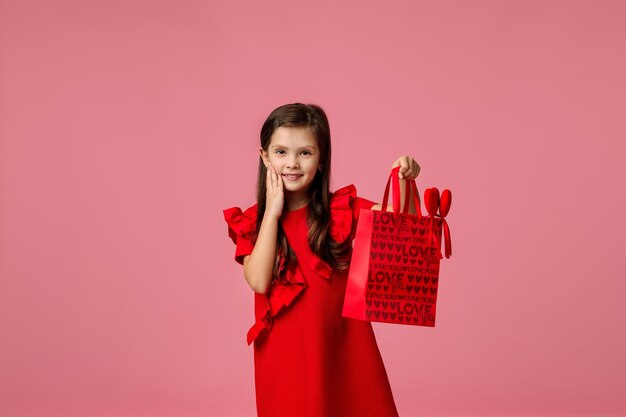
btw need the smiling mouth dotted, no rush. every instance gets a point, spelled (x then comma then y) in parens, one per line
(292, 177)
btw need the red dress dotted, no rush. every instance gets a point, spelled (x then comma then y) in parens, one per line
(309, 360)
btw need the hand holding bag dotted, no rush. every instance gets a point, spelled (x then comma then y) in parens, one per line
(394, 272)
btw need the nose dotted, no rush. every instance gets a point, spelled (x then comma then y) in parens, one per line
(292, 163)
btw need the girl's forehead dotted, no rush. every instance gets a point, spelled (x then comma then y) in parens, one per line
(293, 136)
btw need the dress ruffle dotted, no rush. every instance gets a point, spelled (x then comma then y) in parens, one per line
(291, 283)
(341, 213)
(281, 294)
(242, 224)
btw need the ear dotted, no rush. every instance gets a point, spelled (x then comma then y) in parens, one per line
(263, 154)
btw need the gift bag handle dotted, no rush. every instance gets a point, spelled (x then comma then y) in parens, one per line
(395, 192)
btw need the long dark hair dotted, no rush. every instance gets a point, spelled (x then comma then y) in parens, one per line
(314, 118)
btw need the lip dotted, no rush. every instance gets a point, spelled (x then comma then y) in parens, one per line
(292, 177)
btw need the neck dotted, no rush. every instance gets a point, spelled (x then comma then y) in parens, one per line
(294, 201)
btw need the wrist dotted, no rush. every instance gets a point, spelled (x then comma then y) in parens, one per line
(270, 215)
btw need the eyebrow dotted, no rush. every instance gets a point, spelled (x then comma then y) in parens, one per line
(284, 146)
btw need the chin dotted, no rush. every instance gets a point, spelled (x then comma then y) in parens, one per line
(296, 188)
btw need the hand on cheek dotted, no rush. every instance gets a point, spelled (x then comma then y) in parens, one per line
(274, 193)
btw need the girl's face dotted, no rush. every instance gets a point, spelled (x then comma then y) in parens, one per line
(294, 154)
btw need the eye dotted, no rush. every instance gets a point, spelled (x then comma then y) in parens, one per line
(307, 153)
(280, 151)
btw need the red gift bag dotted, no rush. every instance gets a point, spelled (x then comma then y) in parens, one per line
(394, 272)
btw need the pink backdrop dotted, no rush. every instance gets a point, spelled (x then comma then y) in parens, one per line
(126, 127)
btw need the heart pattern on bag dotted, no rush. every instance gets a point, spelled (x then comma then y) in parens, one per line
(404, 267)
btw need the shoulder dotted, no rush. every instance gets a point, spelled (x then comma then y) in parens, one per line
(241, 222)
(236, 211)
(348, 197)
(343, 194)
(345, 205)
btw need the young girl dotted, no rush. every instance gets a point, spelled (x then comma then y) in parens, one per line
(295, 246)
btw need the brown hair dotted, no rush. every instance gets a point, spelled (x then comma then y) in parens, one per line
(312, 117)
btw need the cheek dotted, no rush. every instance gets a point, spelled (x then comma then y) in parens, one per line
(273, 160)
(276, 163)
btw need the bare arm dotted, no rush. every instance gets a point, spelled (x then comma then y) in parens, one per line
(409, 169)
(258, 267)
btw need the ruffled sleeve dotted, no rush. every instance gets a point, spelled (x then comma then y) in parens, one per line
(345, 206)
(241, 229)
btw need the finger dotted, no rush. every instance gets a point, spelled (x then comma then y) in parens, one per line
(406, 163)
(404, 167)
(408, 175)
(279, 182)
(412, 170)
(275, 177)
(272, 175)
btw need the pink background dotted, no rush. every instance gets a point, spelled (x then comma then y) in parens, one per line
(126, 128)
